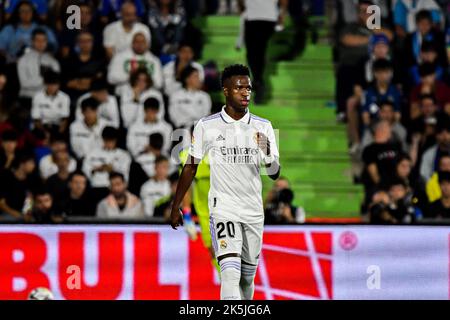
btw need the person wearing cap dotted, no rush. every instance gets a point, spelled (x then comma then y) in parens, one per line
(107, 107)
(100, 162)
(50, 106)
(190, 103)
(432, 155)
(139, 132)
(138, 56)
(441, 207)
(85, 133)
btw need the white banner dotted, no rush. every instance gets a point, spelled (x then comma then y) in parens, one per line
(156, 262)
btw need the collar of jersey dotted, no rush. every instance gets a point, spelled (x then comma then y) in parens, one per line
(227, 119)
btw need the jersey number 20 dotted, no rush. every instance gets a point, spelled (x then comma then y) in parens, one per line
(229, 229)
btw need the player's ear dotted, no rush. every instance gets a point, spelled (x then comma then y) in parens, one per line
(225, 91)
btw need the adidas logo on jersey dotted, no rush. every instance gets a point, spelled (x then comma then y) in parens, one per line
(220, 138)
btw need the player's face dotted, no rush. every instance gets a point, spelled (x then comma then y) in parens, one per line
(238, 92)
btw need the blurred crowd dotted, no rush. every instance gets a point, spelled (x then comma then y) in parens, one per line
(392, 91)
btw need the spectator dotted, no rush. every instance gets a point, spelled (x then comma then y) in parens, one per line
(278, 205)
(431, 157)
(379, 158)
(108, 109)
(393, 207)
(17, 34)
(118, 35)
(260, 19)
(382, 90)
(82, 66)
(85, 134)
(424, 33)
(8, 148)
(189, 103)
(120, 203)
(78, 200)
(110, 10)
(32, 66)
(428, 54)
(429, 85)
(423, 129)
(40, 6)
(48, 164)
(134, 94)
(441, 208)
(50, 106)
(69, 38)
(57, 183)
(16, 189)
(18, 120)
(139, 132)
(387, 113)
(352, 48)
(167, 20)
(44, 211)
(157, 187)
(405, 15)
(100, 162)
(143, 167)
(172, 70)
(432, 187)
(129, 60)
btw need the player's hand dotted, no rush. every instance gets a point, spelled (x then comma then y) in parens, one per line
(176, 218)
(263, 143)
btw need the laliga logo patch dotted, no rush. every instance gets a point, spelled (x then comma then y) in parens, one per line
(223, 244)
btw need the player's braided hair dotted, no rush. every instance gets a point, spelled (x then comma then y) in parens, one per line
(234, 70)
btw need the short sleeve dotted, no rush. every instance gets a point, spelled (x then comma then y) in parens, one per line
(197, 149)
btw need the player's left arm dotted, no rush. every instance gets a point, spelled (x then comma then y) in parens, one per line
(268, 146)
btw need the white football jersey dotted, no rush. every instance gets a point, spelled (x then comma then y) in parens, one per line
(235, 162)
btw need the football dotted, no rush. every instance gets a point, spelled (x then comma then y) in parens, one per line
(40, 293)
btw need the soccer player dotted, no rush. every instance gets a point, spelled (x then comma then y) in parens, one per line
(238, 144)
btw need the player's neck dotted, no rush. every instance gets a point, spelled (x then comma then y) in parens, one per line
(235, 114)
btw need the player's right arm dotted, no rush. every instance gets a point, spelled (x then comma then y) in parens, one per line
(196, 152)
(186, 178)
